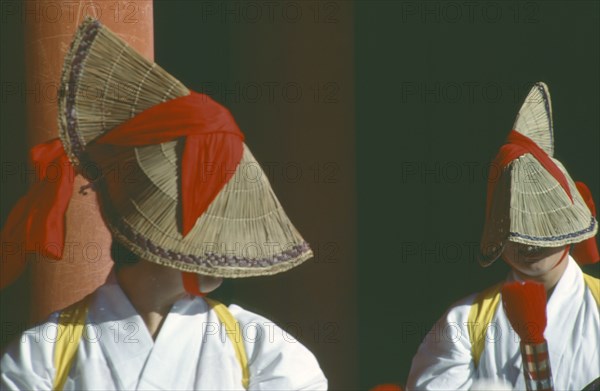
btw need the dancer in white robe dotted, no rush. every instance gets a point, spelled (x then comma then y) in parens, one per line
(535, 216)
(444, 360)
(187, 205)
(191, 352)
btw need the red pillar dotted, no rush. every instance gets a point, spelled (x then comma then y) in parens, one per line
(49, 28)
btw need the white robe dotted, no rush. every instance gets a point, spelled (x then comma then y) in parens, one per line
(191, 351)
(444, 360)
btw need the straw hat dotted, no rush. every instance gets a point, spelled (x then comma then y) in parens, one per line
(243, 232)
(531, 197)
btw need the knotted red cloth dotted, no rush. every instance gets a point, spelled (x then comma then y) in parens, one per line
(212, 138)
(517, 145)
(525, 307)
(36, 223)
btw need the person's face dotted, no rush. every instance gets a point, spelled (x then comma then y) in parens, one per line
(532, 261)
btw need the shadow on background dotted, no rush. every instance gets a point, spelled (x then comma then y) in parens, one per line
(286, 73)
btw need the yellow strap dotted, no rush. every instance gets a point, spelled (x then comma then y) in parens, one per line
(480, 316)
(71, 322)
(234, 333)
(483, 309)
(593, 284)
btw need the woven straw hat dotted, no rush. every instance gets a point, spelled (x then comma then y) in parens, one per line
(244, 231)
(527, 204)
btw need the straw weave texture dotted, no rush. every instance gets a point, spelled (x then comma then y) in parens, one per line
(245, 231)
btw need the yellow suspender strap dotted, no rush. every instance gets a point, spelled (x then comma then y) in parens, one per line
(594, 286)
(71, 322)
(234, 332)
(480, 316)
(483, 309)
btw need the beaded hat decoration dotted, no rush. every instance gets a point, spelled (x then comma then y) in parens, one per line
(177, 184)
(531, 198)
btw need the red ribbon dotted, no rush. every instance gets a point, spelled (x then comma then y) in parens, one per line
(36, 223)
(212, 139)
(586, 252)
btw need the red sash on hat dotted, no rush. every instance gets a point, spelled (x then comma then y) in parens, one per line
(37, 222)
(586, 252)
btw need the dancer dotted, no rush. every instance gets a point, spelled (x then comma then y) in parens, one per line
(542, 224)
(187, 205)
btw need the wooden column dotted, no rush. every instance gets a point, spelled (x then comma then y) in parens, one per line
(49, 28)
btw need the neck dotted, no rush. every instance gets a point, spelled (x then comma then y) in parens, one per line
(550, 278)
(152, 290)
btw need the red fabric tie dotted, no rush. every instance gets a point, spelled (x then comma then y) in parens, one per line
(37, 222)
(212, 139)
(586, 252)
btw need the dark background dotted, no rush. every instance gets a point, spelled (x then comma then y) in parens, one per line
(403, 106)
(417, 231)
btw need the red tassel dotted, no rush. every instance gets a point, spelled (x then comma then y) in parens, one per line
(525, 307)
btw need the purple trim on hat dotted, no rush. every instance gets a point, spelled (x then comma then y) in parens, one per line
(211, 259)
(88, 36)
(590, 228)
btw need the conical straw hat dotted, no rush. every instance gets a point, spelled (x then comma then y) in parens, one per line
(244, 232)
(529, 205)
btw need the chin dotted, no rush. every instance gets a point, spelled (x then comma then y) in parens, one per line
(535, 268)
(532, 270)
